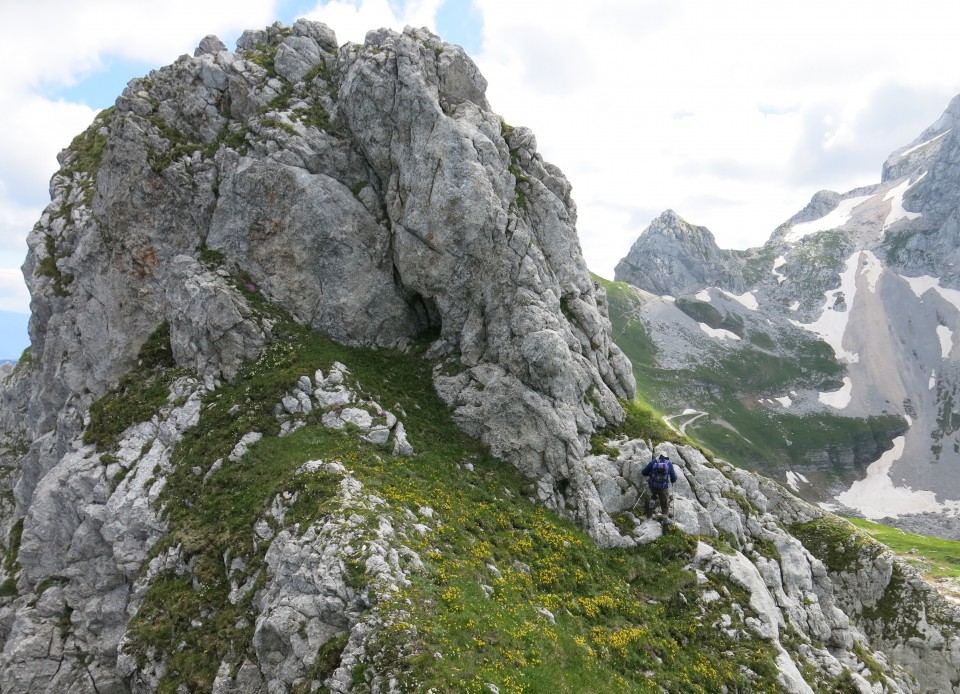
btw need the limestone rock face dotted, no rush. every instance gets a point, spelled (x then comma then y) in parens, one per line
(86, 536)
(371, 193)
(214, 330)
(368, 190)
(488, 249)
(675, 257)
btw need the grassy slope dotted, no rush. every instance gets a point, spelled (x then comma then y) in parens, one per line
(625, 620)
(739, 429)
(935, 558)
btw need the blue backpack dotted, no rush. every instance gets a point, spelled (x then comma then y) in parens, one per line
(659, 475)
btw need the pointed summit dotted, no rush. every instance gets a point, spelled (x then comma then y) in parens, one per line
(673, 256)
(927, 145)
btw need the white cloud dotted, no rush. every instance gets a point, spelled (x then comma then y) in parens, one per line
(61, 41)
(13, 291)
(34, 131)
(15, 222)
(732, 114)
(53, 44)
(351, 21)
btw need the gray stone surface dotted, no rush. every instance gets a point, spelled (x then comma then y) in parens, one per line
(379, 199)
(675, 257)
(87, 539)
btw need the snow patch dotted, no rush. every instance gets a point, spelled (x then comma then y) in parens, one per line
(924, 143)
(786, 401)
(832, 323)
(794, 479)
(877, 497)
(895, 196)
(718, 332)
(924, 283)
(795, 305)
(839, 398)
(777, 264)
(837, 218)
(933, 380)
(946, 340)
(747, 299)
(704, 295)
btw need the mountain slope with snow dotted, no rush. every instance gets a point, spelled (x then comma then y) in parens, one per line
(872, 274)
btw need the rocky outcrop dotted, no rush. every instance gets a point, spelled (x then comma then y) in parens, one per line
(674, 257)
(329, 587)
(367, 191)
(469, 198)
(370, 192)
(86, 536)
(925, 148)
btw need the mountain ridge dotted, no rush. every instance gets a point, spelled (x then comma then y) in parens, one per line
(856, 271)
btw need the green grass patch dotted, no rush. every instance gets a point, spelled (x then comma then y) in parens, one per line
(757, 263)
(902, 247)
(233, 137)
(835, 542)
(137, 396)
(278, 125)
(729, 384)
(179, 144)
(263, 55)
(11, 563)
(771, 441)
(762, 340)
(48, 268)
(933, 557)
(629, 333)
(86, 150)
(819, 255)
(622, 619)
(316, 116)
(642, 421)
(750, 371)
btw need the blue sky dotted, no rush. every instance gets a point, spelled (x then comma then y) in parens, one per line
(457, 21)
(732, 114)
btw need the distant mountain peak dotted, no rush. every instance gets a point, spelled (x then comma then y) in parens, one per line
(925, 147)
(873, 273)
(675, 256)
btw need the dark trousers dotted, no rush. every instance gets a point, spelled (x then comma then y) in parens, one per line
(663, 496)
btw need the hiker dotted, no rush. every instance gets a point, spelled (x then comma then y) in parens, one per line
(662, 475)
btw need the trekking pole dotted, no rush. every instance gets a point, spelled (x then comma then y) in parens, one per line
(640, 498)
